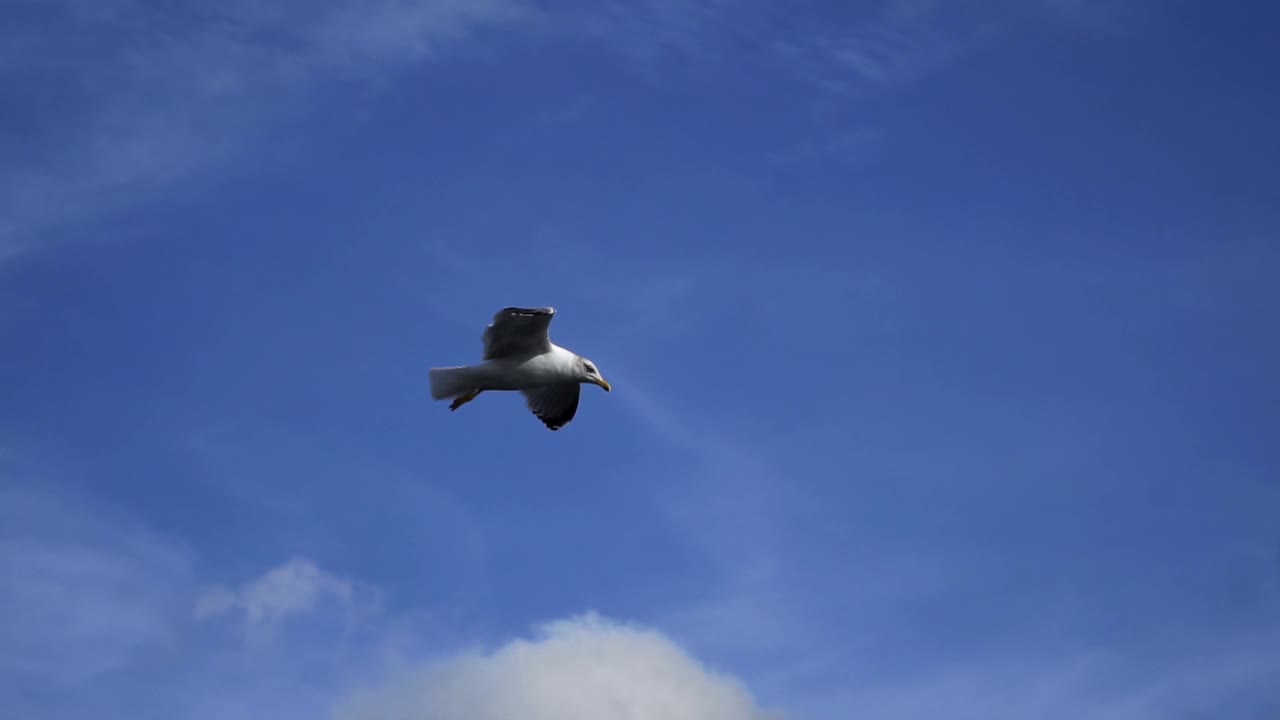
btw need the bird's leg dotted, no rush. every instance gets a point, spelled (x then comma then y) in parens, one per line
(463, 399)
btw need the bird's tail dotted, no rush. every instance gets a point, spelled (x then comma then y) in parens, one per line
(451, 381)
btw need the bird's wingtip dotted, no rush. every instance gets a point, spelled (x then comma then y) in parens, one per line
(512, 310)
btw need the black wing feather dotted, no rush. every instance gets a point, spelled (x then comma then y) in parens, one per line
(555, 405)
(518, 331)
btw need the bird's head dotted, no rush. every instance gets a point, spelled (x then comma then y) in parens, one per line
(591, 374)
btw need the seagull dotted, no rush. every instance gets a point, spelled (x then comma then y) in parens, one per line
(519, 355)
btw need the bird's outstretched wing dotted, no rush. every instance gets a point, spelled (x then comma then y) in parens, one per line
(518, 332)
(555, 405)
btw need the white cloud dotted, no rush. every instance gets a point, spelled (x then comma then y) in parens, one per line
(584, 668)
(292, 589)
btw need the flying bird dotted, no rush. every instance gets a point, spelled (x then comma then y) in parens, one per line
(519, 355)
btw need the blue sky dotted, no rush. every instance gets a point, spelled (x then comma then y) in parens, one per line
(941, 336)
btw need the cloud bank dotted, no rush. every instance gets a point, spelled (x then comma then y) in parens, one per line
(583, 668)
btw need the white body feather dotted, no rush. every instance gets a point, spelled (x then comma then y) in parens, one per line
(555, 366)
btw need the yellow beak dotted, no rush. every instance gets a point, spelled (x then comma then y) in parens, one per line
(604, 384)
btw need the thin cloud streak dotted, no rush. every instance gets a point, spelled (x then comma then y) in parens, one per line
(83, 590)
(189, 91)
(1111, 685)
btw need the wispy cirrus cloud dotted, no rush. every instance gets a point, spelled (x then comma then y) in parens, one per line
(84, 590)
(853, 48)
(1216, 680)
(894, 45)
(117, 101)
(1101, 16)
